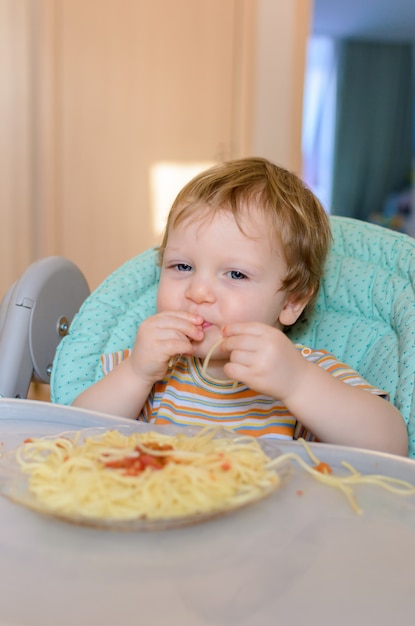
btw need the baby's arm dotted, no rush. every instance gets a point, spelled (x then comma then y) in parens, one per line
(125, 389)
(266, 360)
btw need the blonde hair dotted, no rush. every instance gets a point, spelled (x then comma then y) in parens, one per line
(298, 218)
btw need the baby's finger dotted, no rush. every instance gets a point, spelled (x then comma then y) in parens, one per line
(183, 323)
(239, 342)
(179, 317)
(254, 329)
(241, 357)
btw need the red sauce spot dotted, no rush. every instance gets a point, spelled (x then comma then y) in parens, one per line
(226, 466)
(323, 468)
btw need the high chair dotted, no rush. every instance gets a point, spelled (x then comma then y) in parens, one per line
(35, 314)
(365, 315)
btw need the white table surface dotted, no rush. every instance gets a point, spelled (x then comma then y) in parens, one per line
(294, 558)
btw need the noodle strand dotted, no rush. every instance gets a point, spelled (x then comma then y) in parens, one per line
(345, 483)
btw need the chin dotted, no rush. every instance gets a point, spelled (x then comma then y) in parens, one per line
(200, 353)
(202, 349)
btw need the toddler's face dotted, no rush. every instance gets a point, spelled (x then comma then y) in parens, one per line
(213, 269)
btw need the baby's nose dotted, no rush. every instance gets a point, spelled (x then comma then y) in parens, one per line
(200, 290)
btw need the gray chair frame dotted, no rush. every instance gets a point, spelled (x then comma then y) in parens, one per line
(35, 313)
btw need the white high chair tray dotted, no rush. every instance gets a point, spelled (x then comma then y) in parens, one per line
(299, 556)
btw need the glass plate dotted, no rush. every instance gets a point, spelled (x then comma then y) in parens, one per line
(14, 484)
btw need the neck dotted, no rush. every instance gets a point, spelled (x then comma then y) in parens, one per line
(214, 371)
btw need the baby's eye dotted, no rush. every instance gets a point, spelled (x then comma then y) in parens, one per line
(183, 267)
(236, 275)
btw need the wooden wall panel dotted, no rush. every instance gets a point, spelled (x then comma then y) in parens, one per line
(282, 32)
(16, 140)
(95, 93)
(139, 84)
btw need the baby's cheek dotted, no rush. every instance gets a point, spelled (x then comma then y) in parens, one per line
(166, 299)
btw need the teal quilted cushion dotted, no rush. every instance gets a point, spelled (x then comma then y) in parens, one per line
(106, 322)
(365, 315)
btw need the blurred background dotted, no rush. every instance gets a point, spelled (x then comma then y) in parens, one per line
(107, 107)
(358, 116)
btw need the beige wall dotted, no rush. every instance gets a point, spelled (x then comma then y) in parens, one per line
(94, 95)
(282, 32)
(16, 140)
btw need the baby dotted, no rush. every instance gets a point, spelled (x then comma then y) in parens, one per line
(241, 261)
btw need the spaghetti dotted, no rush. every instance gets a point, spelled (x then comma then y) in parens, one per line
(148, 475)
(154, 476)
(323, 473)
(206, 364)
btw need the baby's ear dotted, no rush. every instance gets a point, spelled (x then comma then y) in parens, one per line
(292, 309)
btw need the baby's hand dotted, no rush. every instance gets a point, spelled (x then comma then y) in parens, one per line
(162, 337)
(263, 358)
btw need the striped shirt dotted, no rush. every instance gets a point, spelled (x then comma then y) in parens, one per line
(186, 397)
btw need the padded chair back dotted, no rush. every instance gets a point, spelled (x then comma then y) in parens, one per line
(35, 314)
(365, 315)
